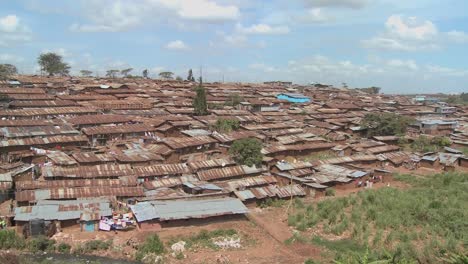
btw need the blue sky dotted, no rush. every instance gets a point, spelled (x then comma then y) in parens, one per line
(403, 46)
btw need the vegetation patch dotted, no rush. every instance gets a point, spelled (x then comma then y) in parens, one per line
(424, 223)
(93, 245)
(205, 239)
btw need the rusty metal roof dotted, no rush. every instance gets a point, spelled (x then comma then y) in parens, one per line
(168, 182)
(98, 119)
(228, 172)
(162, 170)
(106, 170)
(233, 136)
(119, 129)
(60, 158)
(186, 142)
(77, 192)
(42, 141)
(37, 131)
(55, 111)
(90, 157)
(31, 185)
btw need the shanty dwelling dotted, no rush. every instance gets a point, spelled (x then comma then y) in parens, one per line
(315, 190)
(430, 161)
(251, 197)
(343, 150)
(200, 187)
(64, 214)
(189, 145)
(464, 162)
(437, 127)
(155, 215)
(99, 135)
(89, 221)
(449, 161)
(293, 97)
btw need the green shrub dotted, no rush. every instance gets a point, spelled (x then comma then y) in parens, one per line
(9, 240)
(153, 244)
(93, 245)
(64, 248)
(330, 192)
(41, 243)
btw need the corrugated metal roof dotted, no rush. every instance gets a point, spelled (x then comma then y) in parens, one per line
(187, 209)
(77, 192)
(204, 164)
(42, 141)
(162, 170)
(228, 172)
(179, 143)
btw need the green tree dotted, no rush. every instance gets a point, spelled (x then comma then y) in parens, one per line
(112, 73)
(224, 125)
(385, 124)
(53, 64)
(234, 99)
(166, 75)
(125, 72)
(178, 78)
(145, 73)
(190, 76)
(247, 151)
(199, 102)
(86, 73)
(6, 70)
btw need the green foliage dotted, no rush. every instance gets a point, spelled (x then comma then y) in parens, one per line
(178, 78)
(247, 151)
(424, 223)
(112, 73)
(330, 192)
(6, 70)
(385, 124)
(458, 99)
(425, 144)
(199, 102)
(126, 72)
(224, 125)
(153, 244)
(41, 243)
(166, 75)
(145, 73)
(10, 240)
(93, 245)
(52, 64)
(86, 73)
(233, 100)
(271, 203)
(190, 76)
(204, 238)
(63, 248)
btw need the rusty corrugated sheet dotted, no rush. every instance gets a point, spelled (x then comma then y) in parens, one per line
(43, 141)
(98, 119)
(77, 192)
(31, 185)
(46, 111)
(179, 143)
(119, 129)
(227, 172)
(105, 170)
(162, 170)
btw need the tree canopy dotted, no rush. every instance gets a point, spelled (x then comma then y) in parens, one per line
(166, 75)
(247, 151)
(86, 73)
(190, 76)
(385, 124)
(53, 64)
(199, 102)
(145, 73)
(234, 99)
(6, 70)
(225, 125)
(126, 72)
(112, 73)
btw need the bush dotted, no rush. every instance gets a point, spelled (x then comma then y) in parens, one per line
(93, 245)
(385, 124)
(330, 192)
(41, 243)
(9, 240)
(247, 151)
(226, 125)
(64, 248)
(153, 244)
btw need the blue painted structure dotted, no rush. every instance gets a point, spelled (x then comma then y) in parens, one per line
(293, 97)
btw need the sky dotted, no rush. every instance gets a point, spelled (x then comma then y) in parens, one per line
(417, 46)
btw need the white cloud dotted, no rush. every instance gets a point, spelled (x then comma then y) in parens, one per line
(177, 45)
(446, 71)
(406, 64)
(410, 28)
(262, 29)
(13, 31)
(458, 36)
(201, 10)
(315, 15)
(405, 34)
(10, 58)
(122, 15)
(355, 4)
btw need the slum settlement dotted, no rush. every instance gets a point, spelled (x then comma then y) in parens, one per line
(132, 154)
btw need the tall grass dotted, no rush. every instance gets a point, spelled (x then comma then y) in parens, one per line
(395, 223)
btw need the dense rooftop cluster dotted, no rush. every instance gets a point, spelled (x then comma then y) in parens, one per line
(74, 144)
